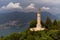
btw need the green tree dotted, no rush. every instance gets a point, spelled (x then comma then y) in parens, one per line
(55, 22)
(14, 36)
(2, 38)
(33, 23)
(43, 24)
(58, 35)
(48, 23)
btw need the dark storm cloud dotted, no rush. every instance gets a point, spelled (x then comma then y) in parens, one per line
(52, 4)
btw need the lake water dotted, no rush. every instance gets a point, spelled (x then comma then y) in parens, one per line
(4, 32)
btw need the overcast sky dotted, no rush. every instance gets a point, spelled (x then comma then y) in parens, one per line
(52, 6)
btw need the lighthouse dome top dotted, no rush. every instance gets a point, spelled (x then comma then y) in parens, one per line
(38, 10)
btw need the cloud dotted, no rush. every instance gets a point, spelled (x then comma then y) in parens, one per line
(45, 8)
(31, 6)
(47, 1)
(51, 1)
(12, 5)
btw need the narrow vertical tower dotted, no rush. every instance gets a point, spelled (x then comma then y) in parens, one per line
(38, 19)
(38, 25)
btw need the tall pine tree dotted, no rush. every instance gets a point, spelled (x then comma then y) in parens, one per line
(48, 23)
(55, 22)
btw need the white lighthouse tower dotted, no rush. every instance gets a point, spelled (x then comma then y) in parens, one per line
(38, 19)
(38, 25)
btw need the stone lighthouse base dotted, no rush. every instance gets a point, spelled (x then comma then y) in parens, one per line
(37, 29)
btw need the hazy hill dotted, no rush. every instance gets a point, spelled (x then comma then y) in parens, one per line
(58, 15)
(23, 17)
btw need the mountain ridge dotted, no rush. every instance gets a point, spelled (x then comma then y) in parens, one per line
(23, 17)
